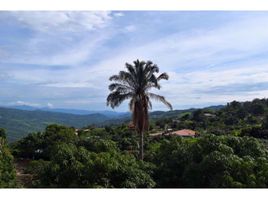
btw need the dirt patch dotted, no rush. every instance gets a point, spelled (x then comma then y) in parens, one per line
(24, 179)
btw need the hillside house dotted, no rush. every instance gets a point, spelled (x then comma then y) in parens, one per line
(131, 126)
(183, 133)
(209, 115)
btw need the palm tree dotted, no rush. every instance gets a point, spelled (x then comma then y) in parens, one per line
(135, 84)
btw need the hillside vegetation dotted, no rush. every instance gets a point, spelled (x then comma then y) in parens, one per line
(236, 118)
(7, 169)
(19, 123)
(230, 152)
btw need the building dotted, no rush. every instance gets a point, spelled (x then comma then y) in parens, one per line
(209, 115)
(183, 133)
(131, 126)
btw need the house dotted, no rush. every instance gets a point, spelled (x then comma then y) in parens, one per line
(209, 115)
(131, 126)
(176, 121)
(184, 133)
(181, 133)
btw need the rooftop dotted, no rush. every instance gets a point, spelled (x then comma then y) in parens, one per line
(184, 132)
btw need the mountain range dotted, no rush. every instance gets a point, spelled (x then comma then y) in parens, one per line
(19, 121)
(69, 111)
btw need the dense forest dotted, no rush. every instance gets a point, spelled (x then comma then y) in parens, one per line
(7, 169)
(19, 123)
(230, 151)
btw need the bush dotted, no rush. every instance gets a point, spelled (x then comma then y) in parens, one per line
(211, 161)
(39, 145)
(7, 170)
(72, 166)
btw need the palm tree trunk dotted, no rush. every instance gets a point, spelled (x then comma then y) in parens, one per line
(141, 156)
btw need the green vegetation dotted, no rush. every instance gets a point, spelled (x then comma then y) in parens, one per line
(210, 161)
(136, 84)
(108, 157)
(7, 170)
(236, 118)
(20, 123)
(230, 152)
(62, 159)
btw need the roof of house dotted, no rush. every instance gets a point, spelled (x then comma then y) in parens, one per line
(184, 132)
(209, 115)
(131, 125)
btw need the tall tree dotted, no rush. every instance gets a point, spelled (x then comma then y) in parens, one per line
(135, 84)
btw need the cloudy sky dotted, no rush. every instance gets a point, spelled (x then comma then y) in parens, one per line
(64, 59)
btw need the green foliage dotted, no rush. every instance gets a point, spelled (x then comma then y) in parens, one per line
(2, 133)
(7, 171)
(73, 166)
(39, 145)
(211, 161)
(20, 123)
(230, 152)
(92, 159)
(236, 118)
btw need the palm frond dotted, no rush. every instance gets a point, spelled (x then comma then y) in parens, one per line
(130, 69)
(114, 99)
(160, 98)
(114, 86)
(154, 81)
(114, 78)
(163, 76)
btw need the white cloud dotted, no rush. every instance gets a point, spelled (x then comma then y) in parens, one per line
(130, 28)
(60, 38)
(51, 22)
(50, 105)
(211, 48)
(201, 87)
(74, 84)
(195, 60)
(23, 103)
(73, 55)
(118, 14)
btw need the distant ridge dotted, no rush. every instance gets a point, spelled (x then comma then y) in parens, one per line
(69, 111)
(19, 121)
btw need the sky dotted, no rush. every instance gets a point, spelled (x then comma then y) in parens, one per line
(64, 59)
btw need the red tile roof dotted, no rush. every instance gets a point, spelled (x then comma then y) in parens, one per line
(131, 125)
(184, 132)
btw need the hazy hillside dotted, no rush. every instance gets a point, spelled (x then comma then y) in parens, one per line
(19, 123)
(69, 111)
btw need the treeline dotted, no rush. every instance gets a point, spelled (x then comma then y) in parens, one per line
(236, 118)
(19, 123)
(230, 152)
(94, 158)
(107, 158)
(7, 170)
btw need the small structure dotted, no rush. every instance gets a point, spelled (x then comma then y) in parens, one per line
(131, 126)
(209, 115)
(183, 133)
(176, 120)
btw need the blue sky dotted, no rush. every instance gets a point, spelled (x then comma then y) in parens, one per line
(64, 59)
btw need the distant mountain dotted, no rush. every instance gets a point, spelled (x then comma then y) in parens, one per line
(19, 123)
(218, 107)
(169, 114)
(178, 113)
(22, 120)
(70, 111)
(22, 107)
